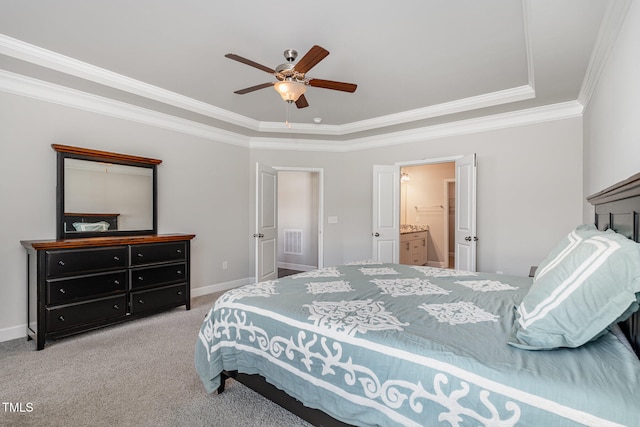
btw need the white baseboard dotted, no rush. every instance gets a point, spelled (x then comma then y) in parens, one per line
(218, 287)
(299, 267)
(13, 332)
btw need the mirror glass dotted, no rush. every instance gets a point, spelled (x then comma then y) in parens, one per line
(100, 196)
(104, 194)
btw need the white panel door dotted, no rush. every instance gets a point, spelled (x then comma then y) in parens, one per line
(266, 234)
(386, 208)
(466, 237)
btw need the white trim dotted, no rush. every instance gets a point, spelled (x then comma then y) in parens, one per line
(528, 42)
(609, 29)
(219, 287)
(56, 94)
(545, 113)
(433, 161)
(46, 58)
(13, 332)
(49, 92)
(65, 64)
(461, 105)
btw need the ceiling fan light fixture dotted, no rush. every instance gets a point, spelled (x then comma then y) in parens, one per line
(289, 90)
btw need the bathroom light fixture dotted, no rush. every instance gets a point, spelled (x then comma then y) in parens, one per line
(290, 90)
(404, 177)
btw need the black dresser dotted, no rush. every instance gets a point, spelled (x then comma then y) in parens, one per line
(75, 285)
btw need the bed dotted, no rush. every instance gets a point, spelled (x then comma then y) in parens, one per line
(397, 345)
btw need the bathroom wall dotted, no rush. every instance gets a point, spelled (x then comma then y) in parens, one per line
(423, 203)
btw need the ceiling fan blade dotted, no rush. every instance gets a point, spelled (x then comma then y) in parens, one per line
(302, 102)
(249, 62)
(311, 58)
(329, 84)
(253, 88)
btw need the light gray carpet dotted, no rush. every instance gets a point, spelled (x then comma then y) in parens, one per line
(139, 373)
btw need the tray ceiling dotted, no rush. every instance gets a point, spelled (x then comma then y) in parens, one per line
(417, 63)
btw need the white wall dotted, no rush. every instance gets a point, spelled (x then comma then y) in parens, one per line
(298, 210)
(612, 119)
(529, 190)
(198, 181)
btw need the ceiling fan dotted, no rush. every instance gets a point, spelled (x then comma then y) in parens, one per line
(292, 80)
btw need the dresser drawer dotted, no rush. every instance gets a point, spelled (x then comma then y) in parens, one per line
(71, 315)
(158, 252)
(89, 286)
(157, 298)
(158, 276)
(66, 262)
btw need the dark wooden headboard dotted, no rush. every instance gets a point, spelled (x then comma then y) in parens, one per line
(618, 208)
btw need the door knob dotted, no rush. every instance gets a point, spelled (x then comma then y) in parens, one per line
(468, 238)
(376, 234)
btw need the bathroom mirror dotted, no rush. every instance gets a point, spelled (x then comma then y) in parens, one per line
(104, 194)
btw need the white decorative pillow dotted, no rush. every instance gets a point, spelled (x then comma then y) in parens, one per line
(565, 247)
(91, 226)
(588, 282)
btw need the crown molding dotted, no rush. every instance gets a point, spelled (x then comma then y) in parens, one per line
(607, 34)
(492, 99)
(43, 57)
(528, 42)
(558, 111)
(49, 92)
(36, 55)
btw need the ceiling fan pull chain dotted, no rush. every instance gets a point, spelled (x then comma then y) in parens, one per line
(288, 114)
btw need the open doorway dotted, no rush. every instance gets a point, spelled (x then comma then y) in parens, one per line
(299, 220)
(427, 214)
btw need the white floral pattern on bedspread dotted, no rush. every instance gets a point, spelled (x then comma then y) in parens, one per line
(352, 316)
(395, 345)
(456, 313)
(413, 286)
(329, 287)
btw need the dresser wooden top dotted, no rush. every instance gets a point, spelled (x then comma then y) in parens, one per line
(104, 241)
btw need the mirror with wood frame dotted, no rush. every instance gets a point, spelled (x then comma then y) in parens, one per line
(104, 194)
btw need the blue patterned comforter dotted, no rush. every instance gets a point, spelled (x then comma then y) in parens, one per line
(398, 345)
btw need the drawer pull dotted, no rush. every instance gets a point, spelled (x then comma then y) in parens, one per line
(179, 272)
(140, 301)
(116, 307)
(61, 263)
(180, 293)
(61, 318)
(140, 278)
(140, 255)
(115, 258)
(62, 291)
(116, 282)
(179, 251)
